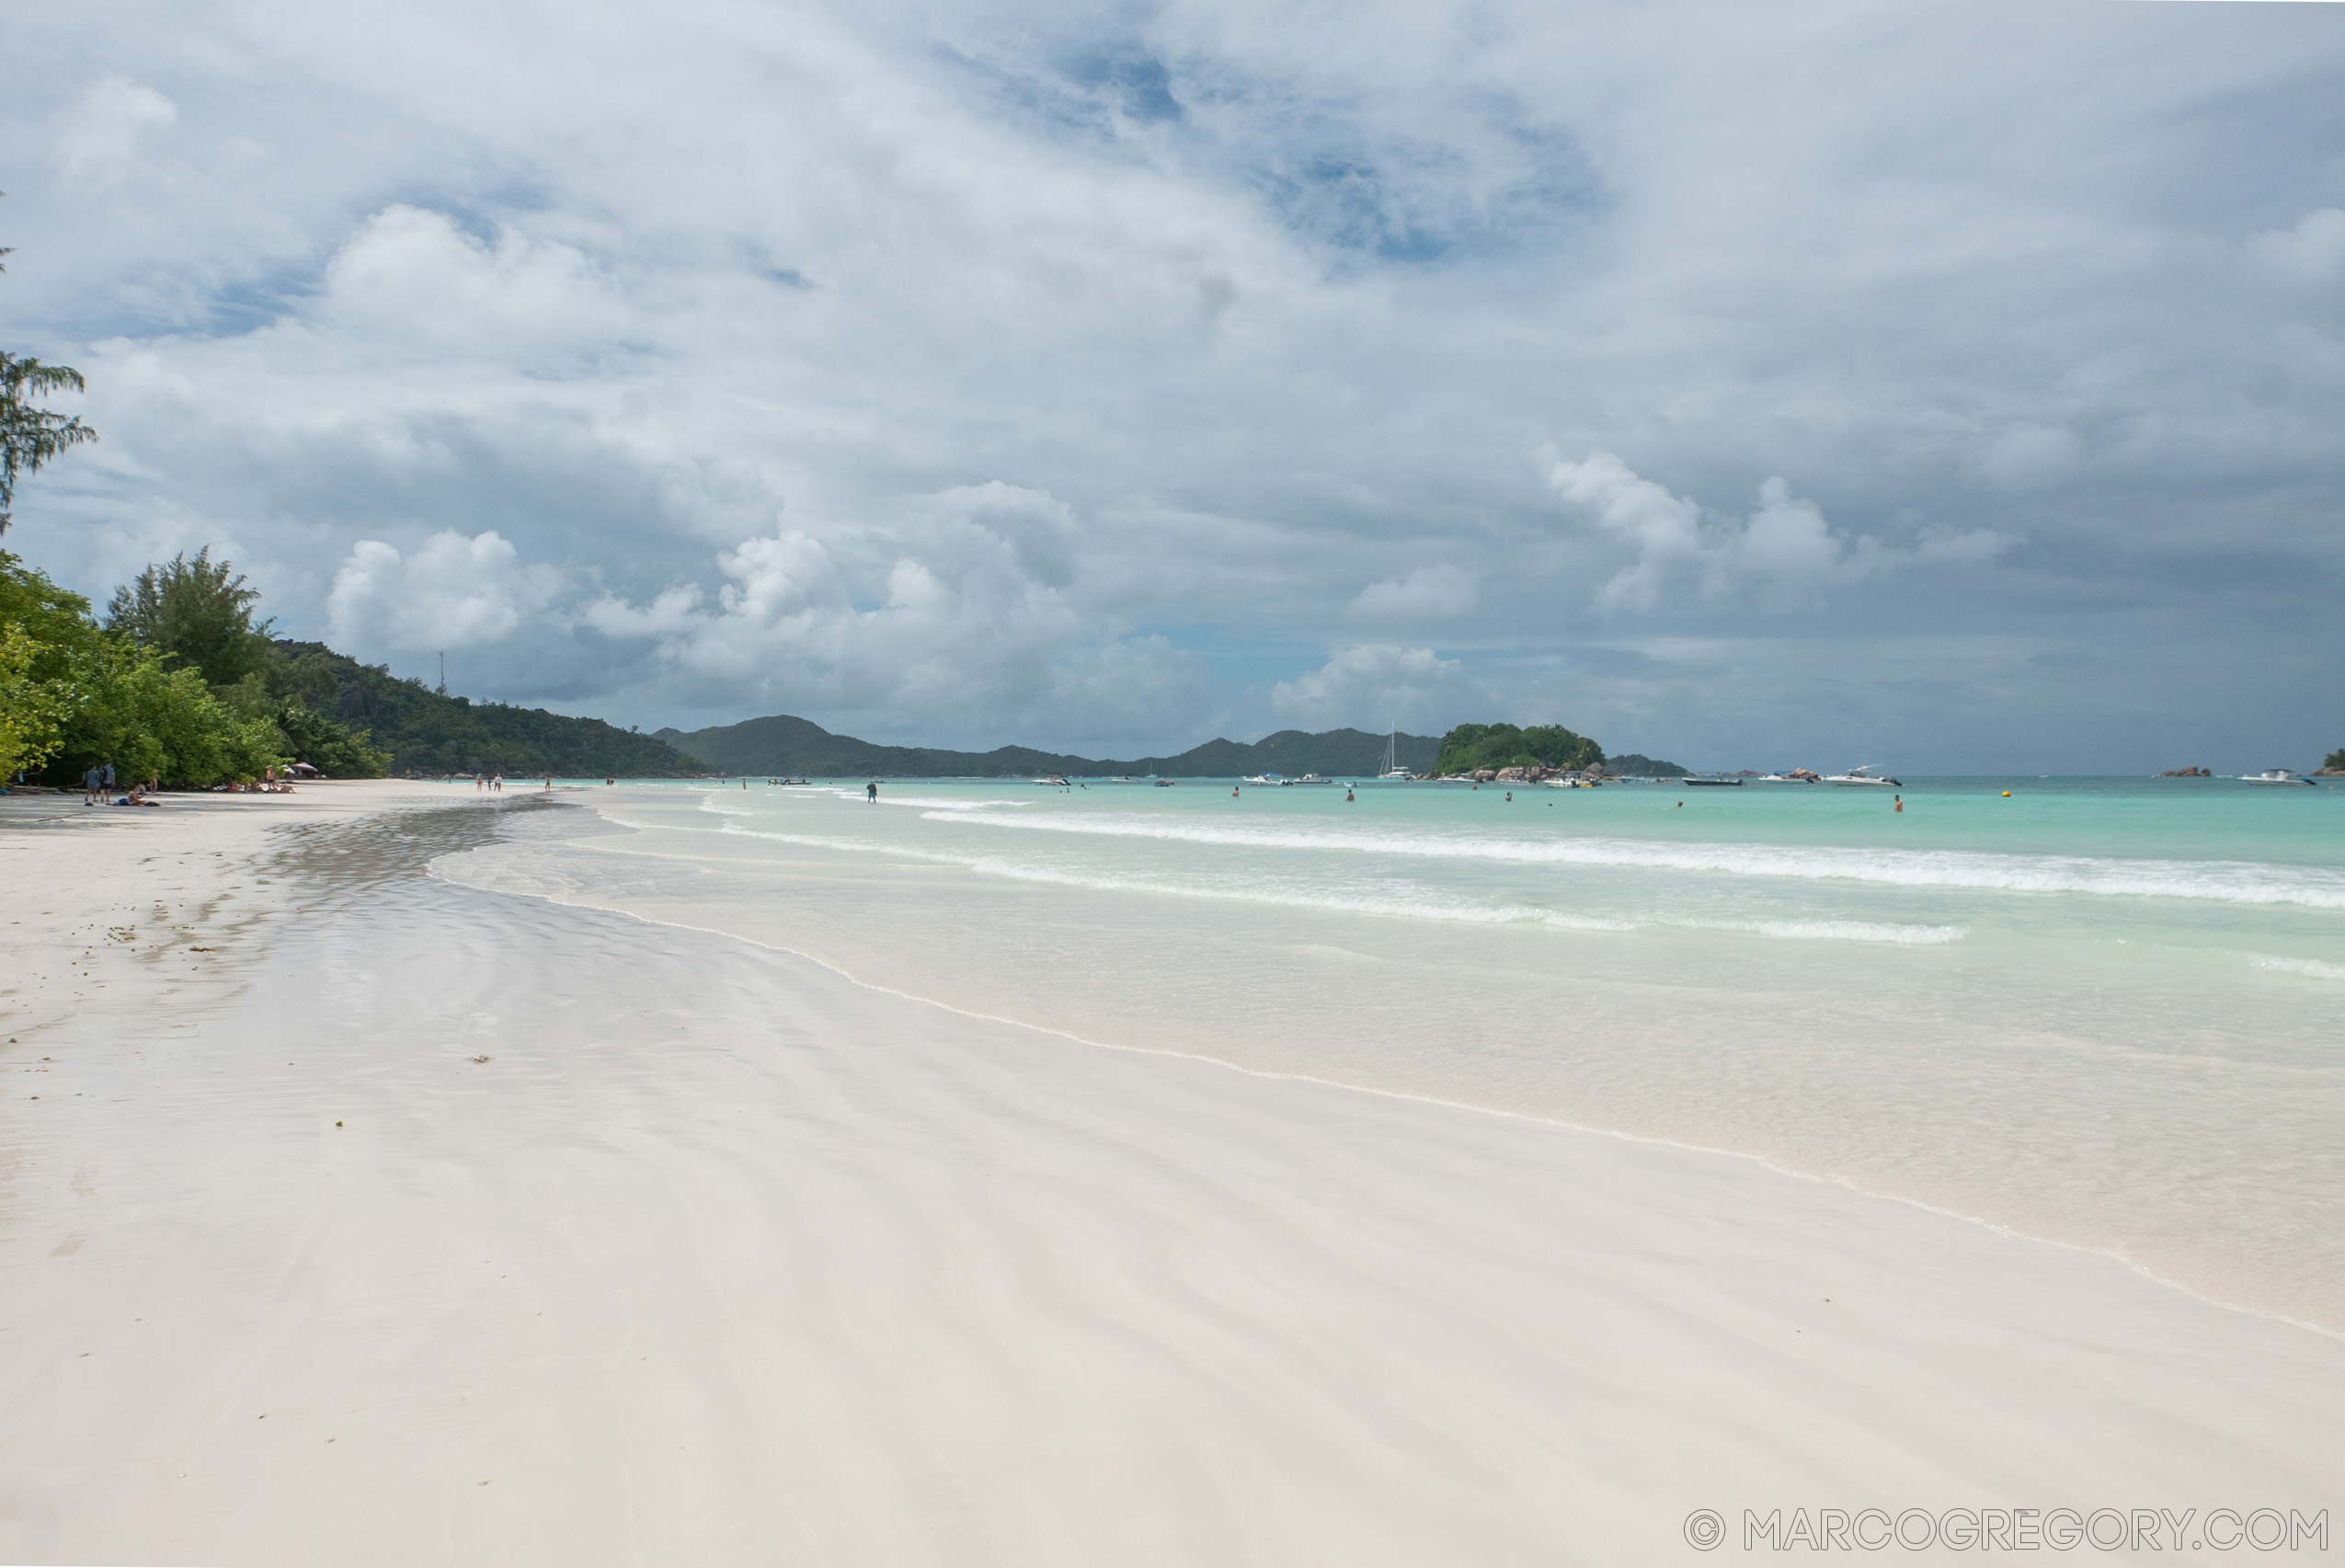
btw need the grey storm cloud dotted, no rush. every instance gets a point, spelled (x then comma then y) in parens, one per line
(1957, 384)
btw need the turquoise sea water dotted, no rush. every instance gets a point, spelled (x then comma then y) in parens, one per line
(2108, 1012)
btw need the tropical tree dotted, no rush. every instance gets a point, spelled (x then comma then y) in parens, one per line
(30, 435)
(198, 612)
(33, 708)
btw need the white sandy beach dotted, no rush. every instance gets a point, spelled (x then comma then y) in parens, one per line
(720, 1256)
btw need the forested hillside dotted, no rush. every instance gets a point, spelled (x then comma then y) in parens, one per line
(428, 733)
(783, 745)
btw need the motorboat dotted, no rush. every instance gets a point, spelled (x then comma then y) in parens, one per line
(1267, 780)
(1060, 784)
(1862, 774)
(1313, 779)
(2276, 775)
(1690, 779)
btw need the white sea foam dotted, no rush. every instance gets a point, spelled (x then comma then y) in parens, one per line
(1424, 905)
(2311, 966)
(1851, 931)
(2232, 881)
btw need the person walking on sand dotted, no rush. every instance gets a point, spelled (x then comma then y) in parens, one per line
(871, 793)
(90, 784)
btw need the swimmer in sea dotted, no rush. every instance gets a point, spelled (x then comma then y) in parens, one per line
(1347, 792)
(1900, 800)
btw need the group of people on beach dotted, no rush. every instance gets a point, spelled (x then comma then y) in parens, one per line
(267, 784)
(98, 783)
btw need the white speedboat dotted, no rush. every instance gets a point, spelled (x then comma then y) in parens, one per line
(1267, 780)
(2276, 775)
(1060, 784)
(1862, 774)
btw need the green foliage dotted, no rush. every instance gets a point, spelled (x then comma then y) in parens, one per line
(425, 732)
(49, 640)
(32, 710)
(332, 747)
(1474, 746)
(197, 612)
(77, 695)
(154, 722)
(2336, 762)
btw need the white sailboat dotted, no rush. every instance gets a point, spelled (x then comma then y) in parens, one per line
(1393, 772)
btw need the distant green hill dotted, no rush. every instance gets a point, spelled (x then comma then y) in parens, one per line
(784, 745)
(1637, 765)
(428, 733)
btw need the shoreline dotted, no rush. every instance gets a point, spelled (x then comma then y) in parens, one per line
(907, 1283)
(1469, 1107)
(1981, 1115)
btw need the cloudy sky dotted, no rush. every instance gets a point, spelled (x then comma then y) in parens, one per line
(1957, 387)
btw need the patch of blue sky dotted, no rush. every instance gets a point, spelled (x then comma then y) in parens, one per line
(1415, 205)
(248, 304)
(760, 263)
(1138, 83)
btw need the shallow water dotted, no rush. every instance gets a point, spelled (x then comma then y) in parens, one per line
(2106, 1011)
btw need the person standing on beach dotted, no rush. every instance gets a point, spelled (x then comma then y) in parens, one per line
(871, 793)
(107, 770)
(90, 785)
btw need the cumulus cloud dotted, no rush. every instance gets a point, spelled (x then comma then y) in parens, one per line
(1380, 685)
(98, 136)
(1429, 593)
(1783, 553)
(413, 275)
(452, 592)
